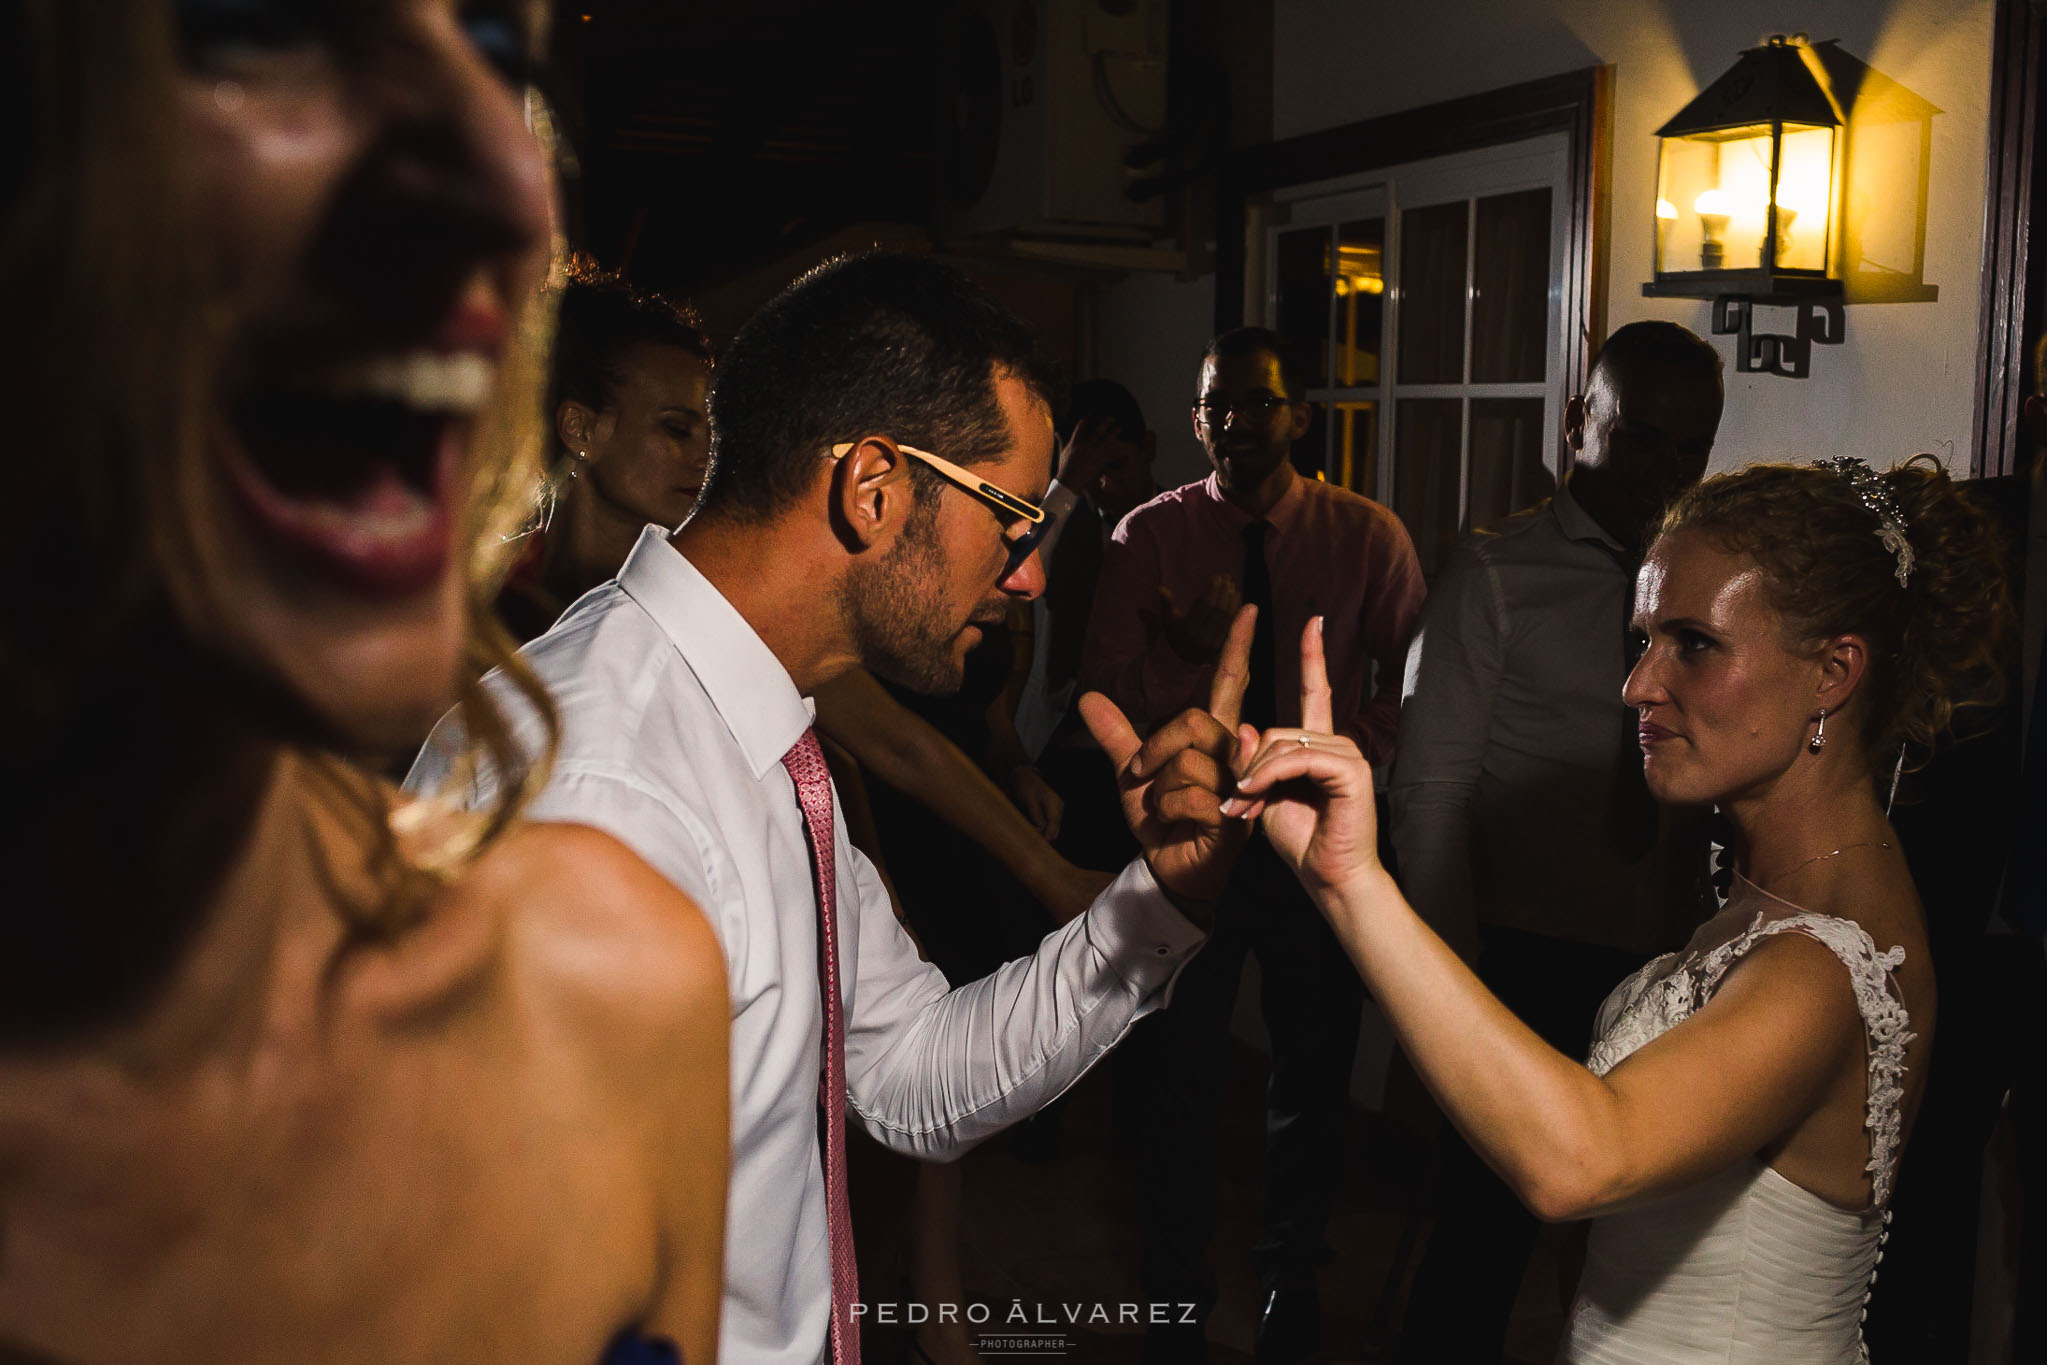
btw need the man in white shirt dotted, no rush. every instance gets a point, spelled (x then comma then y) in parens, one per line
(1525, 832)
(880, 438)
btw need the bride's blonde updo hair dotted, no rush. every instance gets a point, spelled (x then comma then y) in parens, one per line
(1829, 570)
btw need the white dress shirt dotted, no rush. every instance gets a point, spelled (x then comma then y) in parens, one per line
(675, 717)
(1512, 732)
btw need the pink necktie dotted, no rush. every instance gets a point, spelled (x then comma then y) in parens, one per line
(806, 766)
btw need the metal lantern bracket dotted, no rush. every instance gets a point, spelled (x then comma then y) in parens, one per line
(1820, 321)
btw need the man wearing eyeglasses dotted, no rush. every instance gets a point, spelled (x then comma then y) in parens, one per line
(880, 441)
(1254, 531)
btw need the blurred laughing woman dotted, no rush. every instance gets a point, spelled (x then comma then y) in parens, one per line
(292, 1069)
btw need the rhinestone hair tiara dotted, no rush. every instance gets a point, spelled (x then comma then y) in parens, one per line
(1875, 495)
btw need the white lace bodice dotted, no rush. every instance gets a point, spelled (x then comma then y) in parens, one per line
(1745, 1266)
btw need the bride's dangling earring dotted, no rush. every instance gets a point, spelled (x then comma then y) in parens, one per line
(1819, 736)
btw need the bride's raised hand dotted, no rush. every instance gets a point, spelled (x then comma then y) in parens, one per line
(1310, 789)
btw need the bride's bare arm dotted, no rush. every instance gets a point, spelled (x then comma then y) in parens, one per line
(1729, 1081)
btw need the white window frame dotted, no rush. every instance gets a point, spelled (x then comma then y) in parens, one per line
(1387, 192)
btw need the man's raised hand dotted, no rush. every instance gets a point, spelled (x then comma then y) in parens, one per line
(1173, 784)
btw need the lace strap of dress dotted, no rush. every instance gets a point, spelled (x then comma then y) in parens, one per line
(1884, 1022)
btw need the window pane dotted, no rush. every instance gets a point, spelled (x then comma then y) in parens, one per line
(1427, 436)
(1353, 458)
(1507, 472)
(1302, 299)
(1432, 252)
(1311, 453)
(1360, 300)
(1510, 312)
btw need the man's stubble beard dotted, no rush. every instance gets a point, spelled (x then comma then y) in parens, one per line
(896, 628)
(1241, 479)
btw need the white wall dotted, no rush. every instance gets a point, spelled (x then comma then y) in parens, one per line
(1149, 331)
(1904, 380)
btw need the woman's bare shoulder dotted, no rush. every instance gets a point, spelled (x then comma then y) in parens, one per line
(1874, 892)
(1877, 894)
(567, 918)
(587, 913)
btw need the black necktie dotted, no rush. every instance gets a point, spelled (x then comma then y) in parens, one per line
(1260, 690)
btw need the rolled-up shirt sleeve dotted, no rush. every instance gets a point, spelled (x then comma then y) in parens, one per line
(933, 1071)
(1452, 677)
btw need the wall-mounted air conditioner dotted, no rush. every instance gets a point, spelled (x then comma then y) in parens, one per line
(1039, 101)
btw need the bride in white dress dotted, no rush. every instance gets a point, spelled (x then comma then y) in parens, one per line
(1736, 1130)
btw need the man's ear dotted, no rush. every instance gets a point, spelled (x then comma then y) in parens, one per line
(1302, 416)
(2035, 415)
(1574, 421)
(872, 495)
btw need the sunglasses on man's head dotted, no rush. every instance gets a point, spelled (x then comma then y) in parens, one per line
(1001, 499)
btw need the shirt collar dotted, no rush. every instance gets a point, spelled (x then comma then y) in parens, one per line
(1577, 524)
(754, 695)
(1280, 517)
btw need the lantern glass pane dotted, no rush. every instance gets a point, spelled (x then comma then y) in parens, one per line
(1805, 198)
(1712, 192)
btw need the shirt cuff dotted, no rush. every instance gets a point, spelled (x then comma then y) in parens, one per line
(1138, 931)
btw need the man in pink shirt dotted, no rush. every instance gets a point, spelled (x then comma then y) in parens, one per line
(1178, 567)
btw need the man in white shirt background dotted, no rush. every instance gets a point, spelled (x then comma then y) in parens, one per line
(881, 436)
(1525, 832)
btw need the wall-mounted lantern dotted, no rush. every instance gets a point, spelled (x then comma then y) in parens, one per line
(1749, 203)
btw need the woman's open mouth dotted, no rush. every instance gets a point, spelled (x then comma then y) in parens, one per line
(354, 468)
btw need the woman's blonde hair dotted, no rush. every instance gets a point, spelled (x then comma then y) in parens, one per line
(110, 666)
(1828, 571)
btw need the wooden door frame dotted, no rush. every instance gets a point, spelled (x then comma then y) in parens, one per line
(1578, 104)
(2014, 289)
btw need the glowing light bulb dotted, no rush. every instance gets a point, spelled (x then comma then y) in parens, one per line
(1714, 210)
(1787, 214)
(1666, 214)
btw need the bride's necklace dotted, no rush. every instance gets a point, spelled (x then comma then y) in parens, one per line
(1822, 857)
